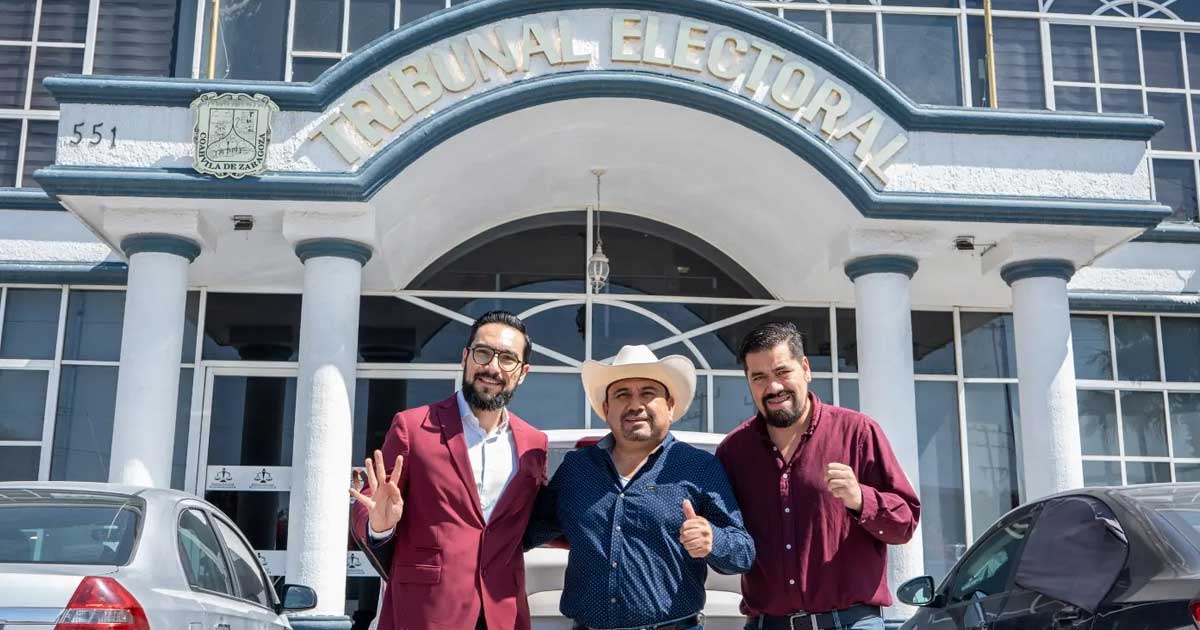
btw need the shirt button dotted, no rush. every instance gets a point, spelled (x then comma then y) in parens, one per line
(613, 600)
(787, 510)
(792, 582)
(881, 532)
(618, 528)
(614, 565)
(788, 546)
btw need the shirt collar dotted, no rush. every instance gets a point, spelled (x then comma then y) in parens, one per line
(608, 442)
(469, 419)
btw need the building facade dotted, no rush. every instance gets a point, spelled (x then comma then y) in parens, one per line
(1012, 292)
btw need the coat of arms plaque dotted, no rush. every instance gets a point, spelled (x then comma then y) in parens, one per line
(232, 134)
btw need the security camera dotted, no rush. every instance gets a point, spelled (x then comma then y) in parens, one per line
(242, 222)
(964, 243)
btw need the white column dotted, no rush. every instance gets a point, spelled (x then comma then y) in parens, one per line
(151, 342)
(318, 518)
(886, 391)
(1049, 435)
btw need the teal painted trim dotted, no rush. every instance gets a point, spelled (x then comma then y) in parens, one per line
(28, 199)
(1037, 268)
(57, 272)
(333, 83)
(160, 243)
(320, 622)
(339, 247)
(884, 263)
(1135, 303)
(1188, 233)
(391, 161)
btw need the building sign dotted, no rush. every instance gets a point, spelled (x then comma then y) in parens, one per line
(249, 478)
(232, 134)
(275, 563)
(479, 60)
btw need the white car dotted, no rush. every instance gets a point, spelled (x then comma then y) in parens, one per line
(110, 557)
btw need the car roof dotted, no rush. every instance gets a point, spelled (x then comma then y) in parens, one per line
(8, 488)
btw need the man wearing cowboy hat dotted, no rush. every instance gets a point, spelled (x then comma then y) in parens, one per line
(644, 514)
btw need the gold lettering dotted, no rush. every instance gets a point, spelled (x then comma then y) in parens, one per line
(876, 162)
(831, 99)
(566, 38)
(866, 137)
(650, 48)
(494, 51)
(455, 79)
(625, 28)
(366, 110)
(345, 147)
(533, 42)
(386, 87)
(719, 44)
(795, 98)
(411, 83)
(686, 42)
(766, 53)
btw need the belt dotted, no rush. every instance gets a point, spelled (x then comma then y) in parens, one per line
(816, 621)
(687, 623)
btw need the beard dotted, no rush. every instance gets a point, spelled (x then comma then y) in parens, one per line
(782, 418)
(636, 435)
(483, 401)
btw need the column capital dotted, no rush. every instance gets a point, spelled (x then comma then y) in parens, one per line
(881, 263)
(1037, 268)
(337, 247)
(160, 243)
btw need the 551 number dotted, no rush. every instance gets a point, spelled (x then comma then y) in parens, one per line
(95, 137)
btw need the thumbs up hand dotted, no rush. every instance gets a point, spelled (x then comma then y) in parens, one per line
(696, 534)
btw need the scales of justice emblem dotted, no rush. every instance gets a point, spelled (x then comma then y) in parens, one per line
(232, 134)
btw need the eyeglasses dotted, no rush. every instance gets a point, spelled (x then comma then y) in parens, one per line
(483, 355)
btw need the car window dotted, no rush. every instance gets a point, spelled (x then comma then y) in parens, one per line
(203, 560)
(251, 584)
(988, 567)
(94, 531)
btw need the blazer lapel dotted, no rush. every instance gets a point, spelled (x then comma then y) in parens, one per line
(450, 422)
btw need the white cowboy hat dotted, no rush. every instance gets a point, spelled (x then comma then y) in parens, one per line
(675, 372)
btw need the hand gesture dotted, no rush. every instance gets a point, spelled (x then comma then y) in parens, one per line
(840, 480)
(696, 534)
(384, 506)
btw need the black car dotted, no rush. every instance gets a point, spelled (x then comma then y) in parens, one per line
(1093, 559)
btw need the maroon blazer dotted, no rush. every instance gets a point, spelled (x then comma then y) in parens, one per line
(446, 561)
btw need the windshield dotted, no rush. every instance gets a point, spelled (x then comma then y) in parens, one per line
(97, 531)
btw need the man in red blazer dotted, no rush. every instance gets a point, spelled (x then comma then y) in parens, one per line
(458, 494)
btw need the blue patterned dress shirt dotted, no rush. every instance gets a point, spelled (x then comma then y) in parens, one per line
(626, 566)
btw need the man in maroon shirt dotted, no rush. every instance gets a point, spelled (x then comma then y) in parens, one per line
(822, 494)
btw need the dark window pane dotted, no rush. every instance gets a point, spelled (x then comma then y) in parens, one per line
(933, 342)
(183, 415)
(848, 393)
(855, 32)
(52, 61)
(253, 421)
(822, 388)
(19, 463)
(369, 19)
(253, 327)
(1145, 423)
(1116, 49)
(1101, 474)
(201, 556)
(1137, 349)
(135, 37)
(992, 410)
(940, 460)
(1098, 422)
(922, 3)
(847, 330)
(1147, 472)
(84, 423)
(318, 25)
(732, 404)
(1181, 348)
(1071, 53)
(40, 145)
(1175, 186)
(307, 69)
(811, 20)
(1075, 99)
(1006, 5)
(191, 315)
(989, 349)
(93, 331)
(921, 55)
(1121, 101)
(1172, 110)
(30, 324)
(377, 399)
(14, 76)
(721, 349)
(1018, 46)
(412, 10)
(1187, 472)
(1185, 424)
(251, 39)
(1162, 59)
(22, 404)
(1187, 11)
(1193, 54)
(64, 21)
(18, 20)
(1089, 341)
(10, 146)
(1086, 7)
(394, 331)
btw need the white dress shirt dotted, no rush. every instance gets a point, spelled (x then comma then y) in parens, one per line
(493, 459)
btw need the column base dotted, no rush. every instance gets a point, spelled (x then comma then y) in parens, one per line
(320, 622)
